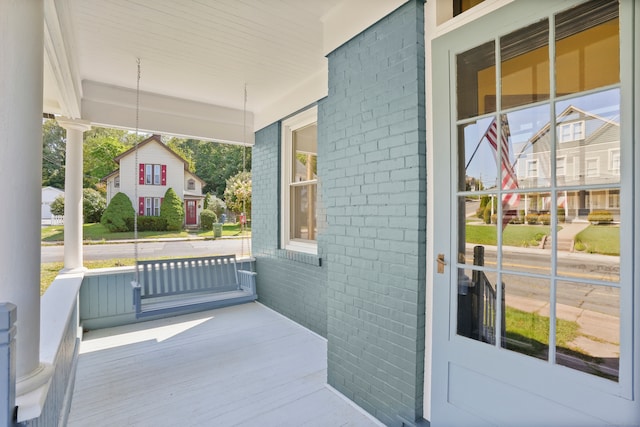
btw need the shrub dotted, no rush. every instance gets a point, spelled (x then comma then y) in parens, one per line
(207, 219)
(545, 219)
(600, 217)
(532, 218)
(151, 223)
(93, 205)
(487, 214)
(207, 201)
(494, 219)
(172, 210)
(57, 206)
(119, 214)
(517, 220)
(484, 201)
(217, 206)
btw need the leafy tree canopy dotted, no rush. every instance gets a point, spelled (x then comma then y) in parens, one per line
(54, 145)
(238, 193)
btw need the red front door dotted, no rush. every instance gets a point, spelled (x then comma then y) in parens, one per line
(192, 219)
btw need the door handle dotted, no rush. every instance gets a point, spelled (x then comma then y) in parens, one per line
(441, 263)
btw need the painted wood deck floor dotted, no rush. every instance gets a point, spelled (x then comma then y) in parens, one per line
(236, 366)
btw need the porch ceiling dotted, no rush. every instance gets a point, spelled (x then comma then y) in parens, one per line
(192, 50)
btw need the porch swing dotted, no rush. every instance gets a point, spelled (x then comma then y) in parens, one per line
(182, 285)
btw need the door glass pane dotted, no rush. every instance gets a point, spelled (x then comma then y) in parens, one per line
(587, 47)
(477, 309)
(526, 233)
(478, 228)
(596, 238)
(479, 171)
(526, 315)
(530, 146)
(476, 73)
(588, 135)
(525, 65)
(588, 328)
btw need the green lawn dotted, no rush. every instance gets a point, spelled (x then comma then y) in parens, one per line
(599, 239)
(529, 332)
(97, 232)
(514, 235)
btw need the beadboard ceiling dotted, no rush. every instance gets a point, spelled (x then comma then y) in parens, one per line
(202, 51)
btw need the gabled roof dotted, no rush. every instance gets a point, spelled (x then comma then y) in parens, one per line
(152, 139)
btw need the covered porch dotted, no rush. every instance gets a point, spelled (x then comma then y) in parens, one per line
(244, 365)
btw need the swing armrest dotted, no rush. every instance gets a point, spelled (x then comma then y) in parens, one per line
(137, 293)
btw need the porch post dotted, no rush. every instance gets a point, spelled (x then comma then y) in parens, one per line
(21, 68)
(73, 193)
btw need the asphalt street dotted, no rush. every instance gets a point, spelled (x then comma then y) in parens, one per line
(187, 248)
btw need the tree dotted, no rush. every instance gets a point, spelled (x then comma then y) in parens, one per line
(214, 162)
(119, 215)
(101, 146)
(57, 206)
(93, 205)
(54, 145)
(172, 210)
(238, 193)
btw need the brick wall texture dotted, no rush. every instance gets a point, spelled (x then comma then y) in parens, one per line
(373, 166)
(287, 282)
(367, 295)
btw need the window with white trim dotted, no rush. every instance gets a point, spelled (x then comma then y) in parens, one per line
(573, 131)
(592, 167)
(116, 182)
(300, 182)
(614, 161)
(152, 206)
(532, 168)
(152, 174)
(561, 166)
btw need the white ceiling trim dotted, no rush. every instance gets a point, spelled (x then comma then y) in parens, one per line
(58, 47)
(115, 107)
(350, 18)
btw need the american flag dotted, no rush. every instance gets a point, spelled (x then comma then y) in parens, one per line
(510, 200)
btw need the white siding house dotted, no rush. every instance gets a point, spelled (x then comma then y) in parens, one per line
(156, 169)
(49, 194)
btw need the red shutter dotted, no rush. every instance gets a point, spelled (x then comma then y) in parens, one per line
(164, 175)
(141, 206)
(141, 174)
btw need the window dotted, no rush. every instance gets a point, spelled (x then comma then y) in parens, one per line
(151, 174)
(191, 184)
(568, 132)
(116, 182)
(300, 181)
(532, 169)
(152, 206)
(614, 161)
(614, 199)
(592, 168)
(561, 166)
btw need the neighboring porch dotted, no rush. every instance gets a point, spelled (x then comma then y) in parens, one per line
(242, 365)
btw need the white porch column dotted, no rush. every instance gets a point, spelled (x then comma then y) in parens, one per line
(21, 67)
(73, 193)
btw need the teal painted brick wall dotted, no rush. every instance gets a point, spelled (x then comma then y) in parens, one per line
(372, 163)
(293, 284)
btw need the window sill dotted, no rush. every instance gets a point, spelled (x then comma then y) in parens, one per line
(302, 257)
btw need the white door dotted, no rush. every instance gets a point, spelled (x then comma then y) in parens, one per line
(535, 284)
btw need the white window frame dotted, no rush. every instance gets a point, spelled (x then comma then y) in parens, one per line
(575, 131)
(152, 206)
(597, 168)
(116, 182)
(528, 171)
(561, 164)
(614, 161)
(290, 125)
